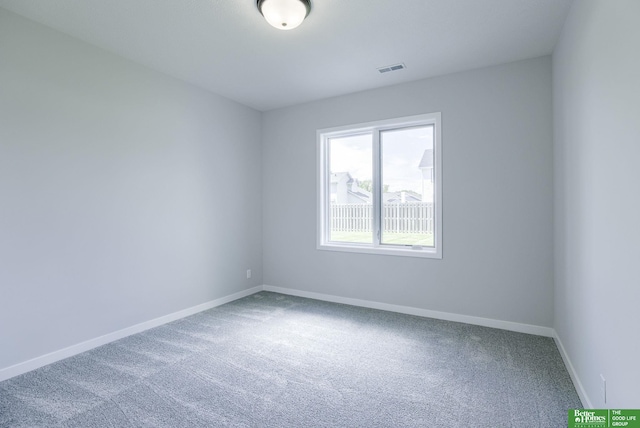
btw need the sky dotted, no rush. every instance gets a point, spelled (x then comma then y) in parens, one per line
(402, 152)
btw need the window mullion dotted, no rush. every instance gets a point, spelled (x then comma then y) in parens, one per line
(326, 189)
(377, 189)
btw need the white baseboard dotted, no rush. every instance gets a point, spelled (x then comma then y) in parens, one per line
(586, 403)
(485, 322)
(43, 360)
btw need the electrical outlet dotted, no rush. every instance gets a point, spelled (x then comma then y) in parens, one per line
(248, 273)
(604, 389)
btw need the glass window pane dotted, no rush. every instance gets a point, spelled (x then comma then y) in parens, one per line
(350, 201)
(407, 163)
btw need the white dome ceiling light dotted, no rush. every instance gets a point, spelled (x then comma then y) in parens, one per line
(284, 14)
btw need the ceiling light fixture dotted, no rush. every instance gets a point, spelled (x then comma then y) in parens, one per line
(284, 14)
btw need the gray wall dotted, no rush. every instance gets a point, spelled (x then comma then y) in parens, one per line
(597, 206)
(497, 156)
(125, 194)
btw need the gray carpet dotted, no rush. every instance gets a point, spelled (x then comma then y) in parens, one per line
(270, 360)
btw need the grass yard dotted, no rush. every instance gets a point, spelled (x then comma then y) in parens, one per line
(424, 239)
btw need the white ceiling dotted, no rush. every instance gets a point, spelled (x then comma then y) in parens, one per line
(227, 47)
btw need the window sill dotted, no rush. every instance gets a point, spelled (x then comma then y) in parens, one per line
(388, 250)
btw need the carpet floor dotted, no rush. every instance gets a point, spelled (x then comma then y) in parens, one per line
(270, 360)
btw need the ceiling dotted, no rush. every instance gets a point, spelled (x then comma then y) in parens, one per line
(227, 47)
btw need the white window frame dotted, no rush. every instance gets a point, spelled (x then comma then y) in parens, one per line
(323, 186)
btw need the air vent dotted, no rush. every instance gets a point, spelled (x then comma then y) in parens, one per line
(389, 68)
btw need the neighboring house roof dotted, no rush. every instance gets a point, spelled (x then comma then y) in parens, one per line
(410, 196)
(352, 187)
(354, 191)
(427, 159)
(362, 195)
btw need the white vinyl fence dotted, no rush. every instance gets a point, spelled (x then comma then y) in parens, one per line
(410, 217)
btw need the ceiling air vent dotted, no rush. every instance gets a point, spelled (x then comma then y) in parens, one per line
(389, 68)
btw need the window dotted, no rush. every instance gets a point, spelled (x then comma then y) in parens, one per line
(379, 187)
